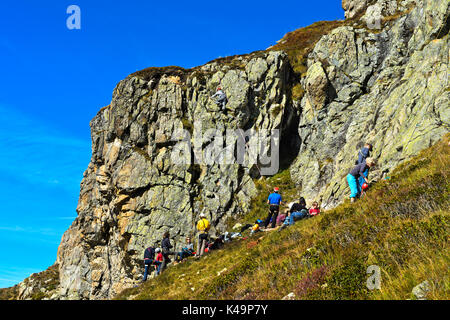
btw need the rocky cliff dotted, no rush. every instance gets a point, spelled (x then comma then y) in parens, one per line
(382, 80)
(132, 192)
(388, 86)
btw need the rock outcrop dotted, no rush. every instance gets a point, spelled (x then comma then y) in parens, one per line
(386, 85)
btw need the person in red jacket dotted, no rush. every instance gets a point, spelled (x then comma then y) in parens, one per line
(315, 210)
(159, 260)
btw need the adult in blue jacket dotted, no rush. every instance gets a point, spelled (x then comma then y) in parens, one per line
(274, 202)
(356, 173)
(149, 259)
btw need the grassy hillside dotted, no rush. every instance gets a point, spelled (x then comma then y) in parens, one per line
(401, 226)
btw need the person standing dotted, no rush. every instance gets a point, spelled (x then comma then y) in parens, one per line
(159, 260)
(220, 98)
(166, 246)
(149, 260)
(203, 227)
(298, 211)
(274, 202)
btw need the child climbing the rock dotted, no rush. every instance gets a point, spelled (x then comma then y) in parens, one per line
(159, 260)
(220, 98)
(363, 154)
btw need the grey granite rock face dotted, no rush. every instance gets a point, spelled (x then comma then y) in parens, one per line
(387, 87)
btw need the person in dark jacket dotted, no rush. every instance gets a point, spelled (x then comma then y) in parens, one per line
(149, 260)
(166, 246)
(355, 174)
(297, 211)
(363, 154)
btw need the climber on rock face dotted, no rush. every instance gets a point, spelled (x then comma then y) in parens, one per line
(355, 174)
(364, 153)
(220, 98)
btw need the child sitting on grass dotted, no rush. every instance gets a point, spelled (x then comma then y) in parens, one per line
(186, 251)
(315, 210)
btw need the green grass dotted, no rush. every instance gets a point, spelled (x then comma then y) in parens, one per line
(401, 226)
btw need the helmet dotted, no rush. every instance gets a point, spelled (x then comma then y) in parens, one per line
(202, 215)
(365, 186)
(276, 189)
(259, 221)
(157, 250)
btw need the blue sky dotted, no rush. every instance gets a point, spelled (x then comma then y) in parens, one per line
(54, 80)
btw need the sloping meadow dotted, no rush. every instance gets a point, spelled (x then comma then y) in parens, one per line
(381, 247)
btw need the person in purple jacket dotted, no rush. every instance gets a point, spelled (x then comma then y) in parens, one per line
(355, 174)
